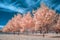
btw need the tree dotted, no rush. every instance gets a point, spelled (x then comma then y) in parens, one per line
(7, 27)
(57, 27)
(43, 18)
(27, 22)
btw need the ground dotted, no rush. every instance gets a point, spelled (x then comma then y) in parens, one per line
(29, 37)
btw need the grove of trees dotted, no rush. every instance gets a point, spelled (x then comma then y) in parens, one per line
(44, 20)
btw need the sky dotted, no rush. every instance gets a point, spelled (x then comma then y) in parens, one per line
(8, 8)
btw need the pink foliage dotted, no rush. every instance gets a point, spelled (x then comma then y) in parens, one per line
(42, 17)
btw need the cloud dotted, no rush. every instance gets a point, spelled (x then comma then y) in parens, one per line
(1, 26)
